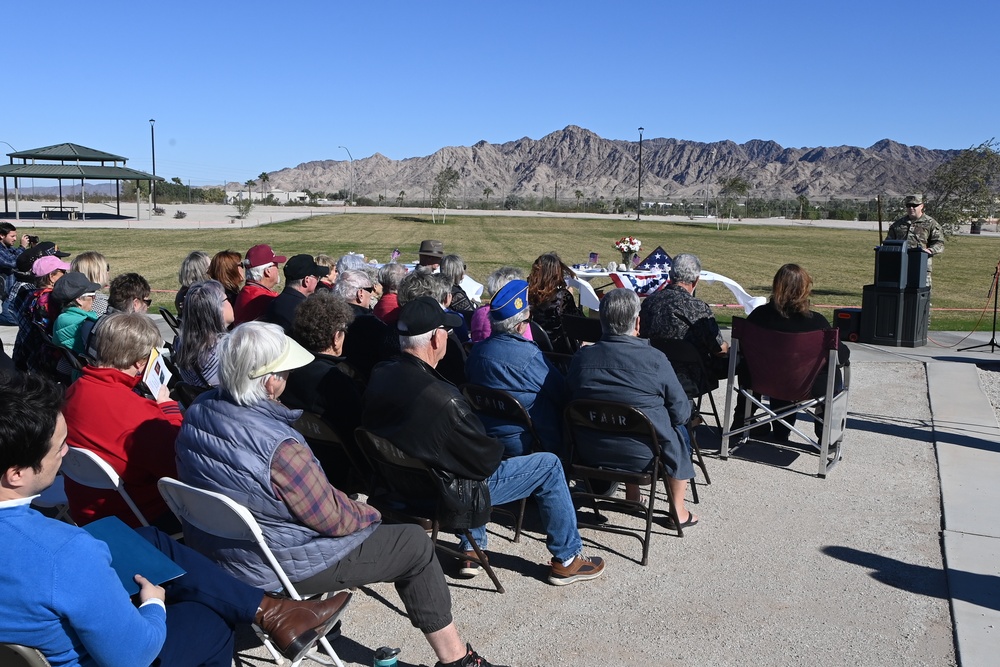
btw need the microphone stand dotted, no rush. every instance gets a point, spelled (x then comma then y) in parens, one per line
(992, 344)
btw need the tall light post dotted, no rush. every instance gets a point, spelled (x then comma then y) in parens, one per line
(152, 141)
(638, 206)
(351, 158)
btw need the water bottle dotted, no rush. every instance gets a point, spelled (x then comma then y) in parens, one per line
(386, 657)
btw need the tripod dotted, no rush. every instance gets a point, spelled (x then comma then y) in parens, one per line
(992, 344)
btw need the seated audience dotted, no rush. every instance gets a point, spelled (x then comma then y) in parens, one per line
(324, 540)
(453, 268)
(508, 361)
(64, 598)
(674, 313)
(37, 319)
(134, 435)
(551, 299)
(193, 269)
(95, 266)
(479, 326)
(302, 275)
(227, 267)
(424, 283)
(368, 339)
(73, 298)
(26, 282)
(410, 405)
(263, 276)
(387, 308)
(788, 311)
(326, 385)
(624, 368)
(207, 317)
(129, 293)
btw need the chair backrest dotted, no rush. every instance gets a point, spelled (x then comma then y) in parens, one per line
(219, 515)
(15, 655)
(611, 417)
(540, 336)
(89, 469)
(407, 476)
(171, 320)
(688, 364)
(582, 329)
(783, 365)
(497, 403)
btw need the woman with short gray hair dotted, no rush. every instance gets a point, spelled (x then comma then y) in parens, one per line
(193, 269)
(453, 268)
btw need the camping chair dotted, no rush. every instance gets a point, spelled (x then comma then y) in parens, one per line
(502, 406)
(413, 495)
(580, 329)
(15, 655)
(628, 422)
(220, 515)
(89, 469)
(785, 366)
(331, 449)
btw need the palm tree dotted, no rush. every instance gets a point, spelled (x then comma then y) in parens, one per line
(264, 179)
(400, 197)
(250, 185)
(487, 191)
(803, 202)
(579, 196)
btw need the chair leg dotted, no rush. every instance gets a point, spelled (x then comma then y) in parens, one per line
(520, 520)
(483, 561)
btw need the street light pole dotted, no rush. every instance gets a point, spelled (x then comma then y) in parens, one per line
(638, 207)
(152, 141)
(351, 158)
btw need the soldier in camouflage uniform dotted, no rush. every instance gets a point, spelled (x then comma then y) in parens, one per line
(674, 313)
(919, 230)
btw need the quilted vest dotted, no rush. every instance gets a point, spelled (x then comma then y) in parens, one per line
(227, 448)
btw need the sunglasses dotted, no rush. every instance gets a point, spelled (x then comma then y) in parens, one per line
(914, 205)
(370, 290)
(147, 301)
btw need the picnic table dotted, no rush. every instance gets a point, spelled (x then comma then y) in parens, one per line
(68, 209)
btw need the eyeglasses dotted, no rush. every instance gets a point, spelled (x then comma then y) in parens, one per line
(147, 301)
(88, 295)
(914, 205)
(447, 330)
(369, 289)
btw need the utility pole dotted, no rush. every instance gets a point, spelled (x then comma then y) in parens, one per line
(638, 206)
(152, 140)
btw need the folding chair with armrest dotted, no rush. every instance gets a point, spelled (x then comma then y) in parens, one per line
(626, 421)
(413, 496)
(89, 469)
(785, 366)
(220, 515)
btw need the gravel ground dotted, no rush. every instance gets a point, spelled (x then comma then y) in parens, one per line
(989, 377)
(784, 569)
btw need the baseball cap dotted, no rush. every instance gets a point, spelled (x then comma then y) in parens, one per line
(292, 356)
(27, 258)
(509, 300)
(424, 314)
(259, 255)
(300, 266)
(43, 266)
(914, 199)
(72, 286)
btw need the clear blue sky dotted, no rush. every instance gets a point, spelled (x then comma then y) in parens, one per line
(241, 88)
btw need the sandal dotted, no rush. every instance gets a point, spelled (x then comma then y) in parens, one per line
(691, 521)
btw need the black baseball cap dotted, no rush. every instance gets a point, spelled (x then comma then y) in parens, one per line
(424, 314)
(27, 258)
(299, 266)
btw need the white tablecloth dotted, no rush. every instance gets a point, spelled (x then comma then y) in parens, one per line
(588, 297)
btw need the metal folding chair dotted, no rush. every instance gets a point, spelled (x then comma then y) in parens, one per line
(219, 515)
(15, 655)
(89, 469)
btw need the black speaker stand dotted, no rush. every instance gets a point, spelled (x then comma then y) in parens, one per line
(992, 344)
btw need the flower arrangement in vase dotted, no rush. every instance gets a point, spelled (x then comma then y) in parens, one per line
(628, 245)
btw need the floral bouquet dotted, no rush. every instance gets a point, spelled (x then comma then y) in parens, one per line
(628, 245)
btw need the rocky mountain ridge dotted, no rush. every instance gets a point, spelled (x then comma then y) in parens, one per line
(576, 163)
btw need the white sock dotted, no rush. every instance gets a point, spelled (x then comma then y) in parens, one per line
(567, 563)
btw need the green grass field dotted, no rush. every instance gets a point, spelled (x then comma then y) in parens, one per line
(841, 261)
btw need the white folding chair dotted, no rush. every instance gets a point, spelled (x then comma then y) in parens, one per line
(15, 655)
(54, 498)
(220, 515)
(89, 469)
(588, 297)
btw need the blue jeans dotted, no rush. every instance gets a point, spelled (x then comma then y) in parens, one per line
(539, 475)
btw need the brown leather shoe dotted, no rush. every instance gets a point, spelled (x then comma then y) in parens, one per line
(296, 625)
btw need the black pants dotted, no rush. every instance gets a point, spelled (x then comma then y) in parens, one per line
(403, 555)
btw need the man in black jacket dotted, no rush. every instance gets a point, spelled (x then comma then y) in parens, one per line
(302, 274)
(413, 407)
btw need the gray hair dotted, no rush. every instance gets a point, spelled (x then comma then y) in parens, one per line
(202, 323)
(619, 310)
(390, 275)
(453, 268)
(416, 342)
(510, 324)
(255, 273)
(122, 339)
(422, 283)
(501, 277)
(194, 268)
(349, 282)
(350, 262)
(249, 347)
(686, 268)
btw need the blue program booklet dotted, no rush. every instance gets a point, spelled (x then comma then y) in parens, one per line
(132, 555)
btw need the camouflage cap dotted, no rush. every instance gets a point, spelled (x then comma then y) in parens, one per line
(914, 199)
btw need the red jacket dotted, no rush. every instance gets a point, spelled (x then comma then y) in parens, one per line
(135, 435)
(251, 303)
(387, 308)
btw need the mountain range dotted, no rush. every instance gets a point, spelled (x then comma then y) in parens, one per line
(575, 160)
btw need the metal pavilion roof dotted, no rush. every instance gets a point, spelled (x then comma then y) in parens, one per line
(67, 152)
(75, 172)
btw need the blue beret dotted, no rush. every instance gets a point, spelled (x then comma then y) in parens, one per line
(509, 300)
